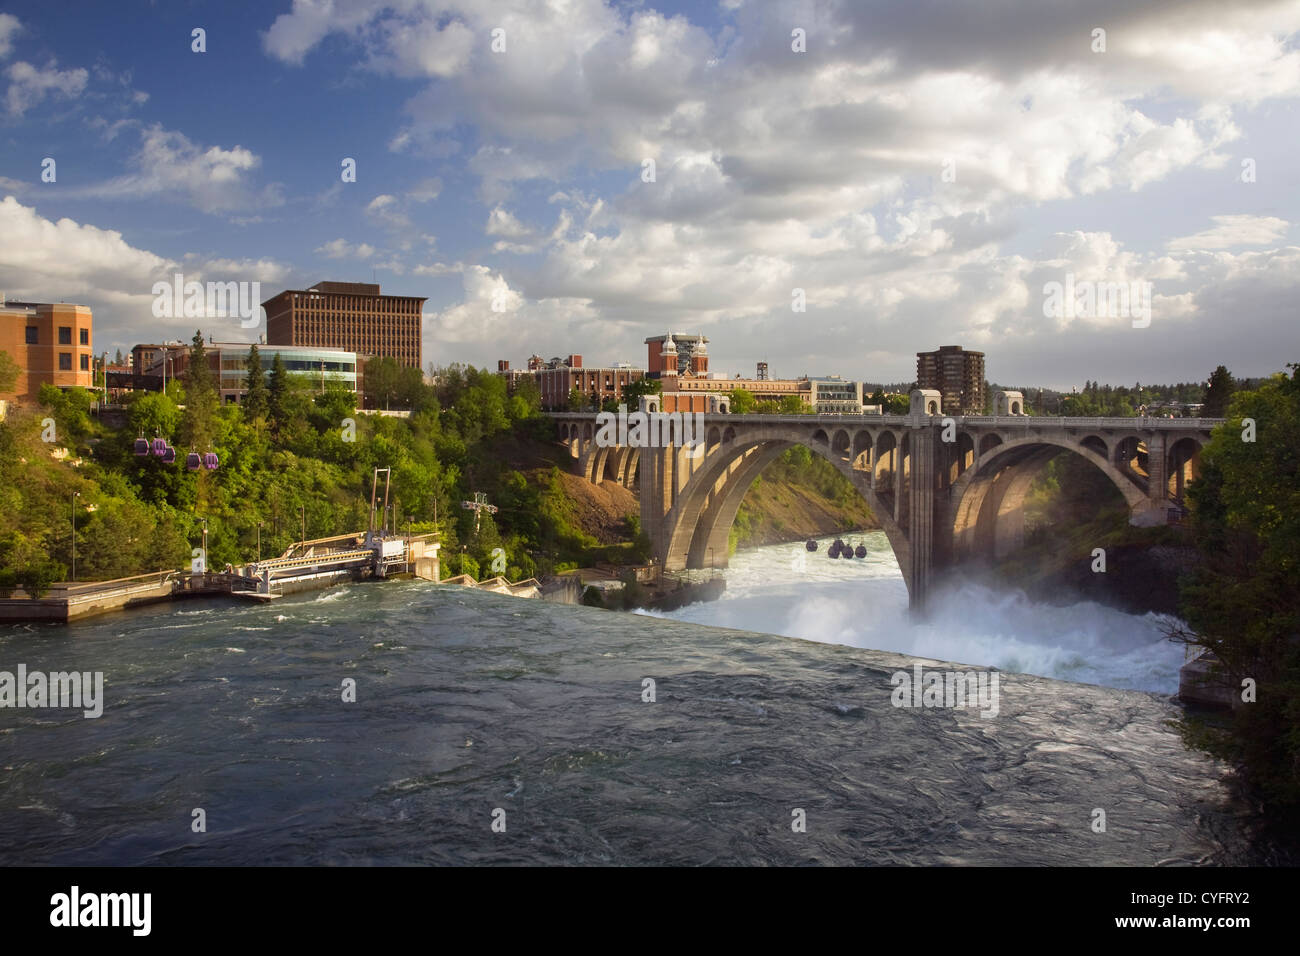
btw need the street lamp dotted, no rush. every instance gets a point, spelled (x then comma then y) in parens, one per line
(710, 562)
(75, 496)
(259, 540)
(303, 509)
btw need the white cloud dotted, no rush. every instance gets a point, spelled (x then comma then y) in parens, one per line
(385, 210)
(1231, 231)
(47, 261)
(342, 249)
(9, 26)
(29, 85)
(212, 179)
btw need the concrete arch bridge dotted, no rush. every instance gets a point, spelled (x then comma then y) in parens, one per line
(946, 490)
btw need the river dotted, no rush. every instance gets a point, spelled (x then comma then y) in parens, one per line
(473, 709)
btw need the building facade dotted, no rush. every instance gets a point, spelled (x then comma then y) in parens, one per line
(832, 395)
(348, 316)
(52, 343)
(957, 375)
(228, 363)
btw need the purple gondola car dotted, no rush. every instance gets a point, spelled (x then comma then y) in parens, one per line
(141, 447)
(193, 462)
(210, 461)
(169, 456)
(159, 447)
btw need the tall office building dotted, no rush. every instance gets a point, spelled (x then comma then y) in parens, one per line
(957, 375)
(350, 316)
(51, 344)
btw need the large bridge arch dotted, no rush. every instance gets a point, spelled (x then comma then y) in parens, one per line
(705, 508)
(986, 504)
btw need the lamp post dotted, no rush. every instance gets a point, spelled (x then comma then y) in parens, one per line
(710, 562)
(75, 496)
(259, 541)
(303, 509)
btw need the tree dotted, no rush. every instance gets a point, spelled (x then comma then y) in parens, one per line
(743, 402)
(383, 381)
(633, 391)
(9, 372)
(256, 395)
(577, 401)
(1217, 393)
(277, 390)
(200, 396)
(1240, 601)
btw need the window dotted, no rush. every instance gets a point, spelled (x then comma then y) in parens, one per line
(85, 363)
(65, 335)
(65, 361)
(85, 336)
(31, 334)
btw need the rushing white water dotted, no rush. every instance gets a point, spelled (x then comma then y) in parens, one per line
(782, 589)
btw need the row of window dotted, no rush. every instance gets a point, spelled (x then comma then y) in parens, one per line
(65, 362)
(65, 335)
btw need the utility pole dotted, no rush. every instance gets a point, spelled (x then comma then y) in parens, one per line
(478, 506)
(75, 496)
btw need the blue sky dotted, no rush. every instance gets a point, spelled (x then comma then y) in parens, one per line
(514, 178)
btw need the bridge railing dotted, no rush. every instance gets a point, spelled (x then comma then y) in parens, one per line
(1000, 421)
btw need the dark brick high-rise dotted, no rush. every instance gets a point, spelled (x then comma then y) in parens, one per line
(352, 316)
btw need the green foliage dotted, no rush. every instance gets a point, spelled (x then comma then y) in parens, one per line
(743, 402)
(1217, 393)
(1241, 601)
(9, 372)
(256, 397)
(897, 405)
(633, 391)
(591, 597)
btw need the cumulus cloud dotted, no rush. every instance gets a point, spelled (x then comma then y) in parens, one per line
(342, 249)
(212, 179)
(49, 261)
(29, 85)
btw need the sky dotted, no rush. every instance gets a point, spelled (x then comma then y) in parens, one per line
(835, 185)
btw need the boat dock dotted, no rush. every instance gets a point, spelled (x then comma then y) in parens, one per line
(306, 565)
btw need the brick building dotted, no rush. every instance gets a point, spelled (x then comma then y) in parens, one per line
(52, 344)
(958, 376)
(349, 316)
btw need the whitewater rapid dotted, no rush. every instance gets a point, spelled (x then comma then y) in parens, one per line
(783, 589)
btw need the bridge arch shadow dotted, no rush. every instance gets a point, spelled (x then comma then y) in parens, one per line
(986, 515)
(698, 524)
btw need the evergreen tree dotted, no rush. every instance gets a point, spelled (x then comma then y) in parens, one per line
(1217, 393)
(200, 397)
(256, 395)
(278, 391)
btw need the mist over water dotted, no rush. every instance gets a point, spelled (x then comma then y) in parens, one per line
(783, 589)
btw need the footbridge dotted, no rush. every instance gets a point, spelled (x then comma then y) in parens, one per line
(945, 489)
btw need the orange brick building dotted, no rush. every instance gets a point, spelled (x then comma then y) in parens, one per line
(51, 342)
